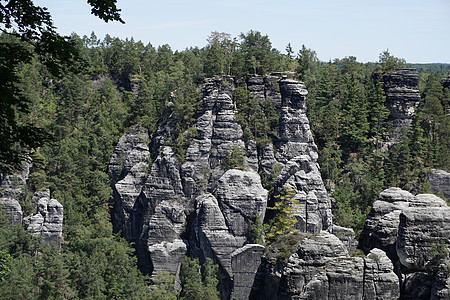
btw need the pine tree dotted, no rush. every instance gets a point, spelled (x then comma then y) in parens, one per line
(191, 280)
(284, 220)
(355, 125)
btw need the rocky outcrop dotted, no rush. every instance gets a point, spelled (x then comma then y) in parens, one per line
(320, 268)
(11, 189)
(297, 153)
(244, 263)
(197, 204)
(347, 237)
(10, 206)
(47, 222)
(415, 232)
(417, 238)
(381, 226)
(440, 183)
(267, 87)
(402, 99)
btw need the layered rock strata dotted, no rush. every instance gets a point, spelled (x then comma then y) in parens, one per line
(297, 154)
(415, 232)
(440, 183)
(10, 193)
(321, 268)
(170, 207)
(402, 99)
(47, 222)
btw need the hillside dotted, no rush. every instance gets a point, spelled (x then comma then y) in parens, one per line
(153, 156)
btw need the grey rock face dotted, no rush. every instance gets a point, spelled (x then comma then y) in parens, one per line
(347, 237)
(440, 182)
(12, 209)
(415, 232)
(222, 226)
(199, 206)
(241, 198)
(297, 153)
(47, 222)
(420, 230)
(381, 226)
(10, 193)
(322, 269)
(127, 170)
(244, 263)
(402, 98)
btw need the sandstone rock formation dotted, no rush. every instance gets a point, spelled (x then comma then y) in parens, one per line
(10, 206)
(199, 206)
(381, 226)
(321, 268)
(10, 193)
(402, 99)
(440, 182)
(297, 153)
(415, 232)
(47, 222)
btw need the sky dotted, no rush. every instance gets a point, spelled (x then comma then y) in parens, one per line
(416, 30)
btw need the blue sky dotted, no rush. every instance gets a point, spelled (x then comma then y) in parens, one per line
(416, 30)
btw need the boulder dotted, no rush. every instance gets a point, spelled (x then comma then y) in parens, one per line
(381, 225)
(241, 198)
(418, 240)
(347, 237)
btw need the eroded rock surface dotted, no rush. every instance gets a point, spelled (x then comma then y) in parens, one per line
(440, 183)
(381, 226)
(322, 269)
(402, 99)
(297, 154)
(47, 222)
(415, 232)
(197, 205)
(10, 193)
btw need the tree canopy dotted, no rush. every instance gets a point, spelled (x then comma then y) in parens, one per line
(31, 33)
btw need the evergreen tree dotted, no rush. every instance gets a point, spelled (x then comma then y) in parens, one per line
(163, 287)
(284, 220)
(195, 284)
(355, 125)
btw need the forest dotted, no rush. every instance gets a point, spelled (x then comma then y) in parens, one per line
(80, 112)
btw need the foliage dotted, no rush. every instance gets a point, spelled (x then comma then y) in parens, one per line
(258, 119)
(284, 246)
(388, 63)
(284, 220)
(439, 252)
(31, 29)
(124, 82)
(5, 258)
(235, 158)
(163, 287)
(256, 231)
(198, 283)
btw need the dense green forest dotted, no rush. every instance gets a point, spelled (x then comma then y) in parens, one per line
(116, 83)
